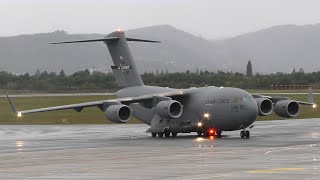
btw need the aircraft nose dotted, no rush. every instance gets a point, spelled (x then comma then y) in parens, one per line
(252, 112)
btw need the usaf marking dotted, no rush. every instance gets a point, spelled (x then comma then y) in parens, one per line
(217, 101)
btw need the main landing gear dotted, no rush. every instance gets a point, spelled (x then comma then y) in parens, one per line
(166, 134)
(218, 134)
(245, 134)
(174, 134)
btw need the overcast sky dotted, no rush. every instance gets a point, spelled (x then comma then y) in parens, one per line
(208, 18)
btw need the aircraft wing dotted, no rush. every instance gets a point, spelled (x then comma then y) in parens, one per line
(305, 103)
(280, 98)
(103, 104)
(309, 102)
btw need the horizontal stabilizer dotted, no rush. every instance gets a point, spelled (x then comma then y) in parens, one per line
(142, 40)
(106, 40)
(90, 40)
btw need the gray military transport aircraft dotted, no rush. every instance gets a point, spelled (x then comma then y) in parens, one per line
(207, 110)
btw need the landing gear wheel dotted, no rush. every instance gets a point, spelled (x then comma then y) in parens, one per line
(247, 134)
(153, 134)
(160, 134)
(218, 133)
(242, 134)
(167, 134)
(199, 132)
(174, 134)
(205, 134)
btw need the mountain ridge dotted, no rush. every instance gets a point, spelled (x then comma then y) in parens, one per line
(275, 49)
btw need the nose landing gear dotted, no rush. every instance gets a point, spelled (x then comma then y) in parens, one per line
(245, 133)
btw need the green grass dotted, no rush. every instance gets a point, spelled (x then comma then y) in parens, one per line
(282, 91)
(94, 115)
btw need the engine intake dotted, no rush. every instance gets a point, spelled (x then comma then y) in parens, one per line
(287, 108)
(265, 106)
(118, 113)
(170, 109)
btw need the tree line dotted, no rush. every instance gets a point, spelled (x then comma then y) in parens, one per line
(84, 81)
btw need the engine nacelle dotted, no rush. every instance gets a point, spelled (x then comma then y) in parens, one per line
(170, 109)
(287, 108)
(118, 113)
(265, 106)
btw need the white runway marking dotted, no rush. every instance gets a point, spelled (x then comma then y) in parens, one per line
(267, 152)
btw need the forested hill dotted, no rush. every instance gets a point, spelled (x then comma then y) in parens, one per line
(276, 49)
(84, 81)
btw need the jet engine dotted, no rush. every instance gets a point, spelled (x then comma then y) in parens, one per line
(265, 106)
(287, 108)
(169, 109)
(118, 113)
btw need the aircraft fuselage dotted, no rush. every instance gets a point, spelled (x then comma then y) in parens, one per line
(220, 108)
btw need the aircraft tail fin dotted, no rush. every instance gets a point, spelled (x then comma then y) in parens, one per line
(124, 69)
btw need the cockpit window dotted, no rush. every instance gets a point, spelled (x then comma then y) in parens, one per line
(246, 99)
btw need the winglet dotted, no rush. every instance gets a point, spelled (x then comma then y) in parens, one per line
(310, 96)
(19, 114)
(11, 105)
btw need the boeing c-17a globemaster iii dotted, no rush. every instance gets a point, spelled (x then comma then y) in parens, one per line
(206, 110)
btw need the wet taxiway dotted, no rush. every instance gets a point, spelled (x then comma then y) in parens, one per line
(287, 149)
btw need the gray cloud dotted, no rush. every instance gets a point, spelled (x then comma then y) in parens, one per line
(208, 18)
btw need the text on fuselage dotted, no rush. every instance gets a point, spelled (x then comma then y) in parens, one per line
(217, 101)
